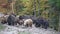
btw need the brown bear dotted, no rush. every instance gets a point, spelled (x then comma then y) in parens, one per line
(28, 23)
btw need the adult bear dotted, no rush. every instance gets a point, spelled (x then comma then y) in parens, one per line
(41, 22)
(11, 20)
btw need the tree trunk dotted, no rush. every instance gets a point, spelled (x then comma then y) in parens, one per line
(34, 6)
(39, 13)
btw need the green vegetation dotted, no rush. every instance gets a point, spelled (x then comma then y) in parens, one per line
(49, 9)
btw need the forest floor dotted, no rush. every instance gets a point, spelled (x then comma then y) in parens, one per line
(6, 29)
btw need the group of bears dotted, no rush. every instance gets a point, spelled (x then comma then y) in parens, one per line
(25, 20)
